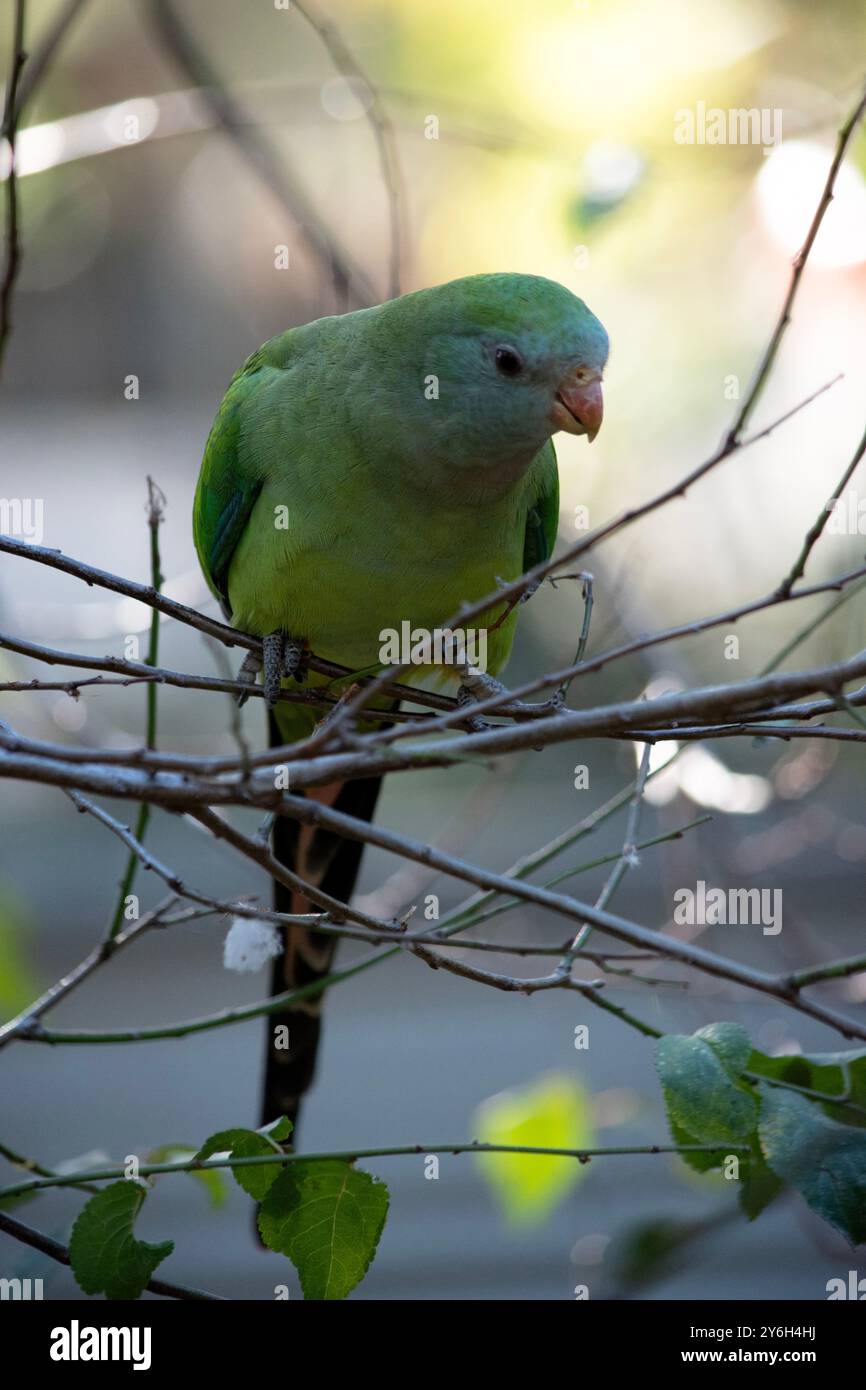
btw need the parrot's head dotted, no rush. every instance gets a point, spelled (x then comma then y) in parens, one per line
(497, 364)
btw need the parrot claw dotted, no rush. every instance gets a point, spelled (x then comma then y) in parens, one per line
(293, 655)
(282, 658)
(466, 697)
(479, 684)
(527, 593)
(252, 664)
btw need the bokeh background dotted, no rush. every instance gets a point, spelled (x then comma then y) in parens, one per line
(154, 257)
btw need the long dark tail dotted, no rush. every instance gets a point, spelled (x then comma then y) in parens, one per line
(330, 863)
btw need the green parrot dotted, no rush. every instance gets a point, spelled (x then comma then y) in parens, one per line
(366, 470)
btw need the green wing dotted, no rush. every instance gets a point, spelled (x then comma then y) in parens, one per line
(542, 519)
(228, 486)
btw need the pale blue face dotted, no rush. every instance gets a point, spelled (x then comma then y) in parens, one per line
(499, 359)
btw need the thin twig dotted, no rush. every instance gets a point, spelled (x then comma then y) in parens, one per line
(155, 506)
(627, 858)
(198, 1165)
(814, 533)
(9, 134)
(260, 854)
(769, 357)
(28, 1018)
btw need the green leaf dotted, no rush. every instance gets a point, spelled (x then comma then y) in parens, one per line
(554, 1112)
(829, 1073)
(103, 1251)
(278, 1129)
(702, 1097)
(731, 1044)
(211, 1179)
(248, 1143)
(759, 1185)
(824, 1160)
(327, 1217)
(701, 1163)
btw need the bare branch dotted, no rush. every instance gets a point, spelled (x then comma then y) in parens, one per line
(155, 509)
(769, 357)
(626, 860)
(24, 1022)
(260, 854)
(815, 531)
(314, 813)
(9, 133)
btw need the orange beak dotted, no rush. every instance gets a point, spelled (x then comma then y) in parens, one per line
(579, 406)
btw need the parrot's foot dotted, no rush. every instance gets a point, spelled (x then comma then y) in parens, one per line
(465, 696)
(252, 664)
(282, 657)
(527, 593)
(479, 684)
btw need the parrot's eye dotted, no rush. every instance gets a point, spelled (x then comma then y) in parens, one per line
(508, 361)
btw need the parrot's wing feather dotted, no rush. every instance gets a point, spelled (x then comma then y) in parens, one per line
(228, 486)
(542, 519)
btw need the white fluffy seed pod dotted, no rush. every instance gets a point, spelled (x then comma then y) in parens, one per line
(250, 944)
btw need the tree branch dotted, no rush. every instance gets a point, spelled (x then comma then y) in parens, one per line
(9, 133)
